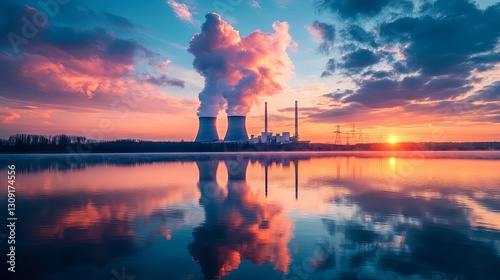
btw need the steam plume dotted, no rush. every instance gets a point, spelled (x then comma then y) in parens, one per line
(238, 70)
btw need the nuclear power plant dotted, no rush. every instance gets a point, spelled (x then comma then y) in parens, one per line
(207, 132)
(237, 131)
(267, 137)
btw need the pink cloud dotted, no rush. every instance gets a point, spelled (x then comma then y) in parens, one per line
(70, 83)
(240, 70)
(7, 115)
(85, 76)
(181, 11)
(315, 32)
(165, 64)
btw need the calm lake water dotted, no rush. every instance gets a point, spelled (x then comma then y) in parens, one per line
(255, 216)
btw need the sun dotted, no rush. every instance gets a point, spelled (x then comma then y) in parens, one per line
(392, 161)
(393, 140)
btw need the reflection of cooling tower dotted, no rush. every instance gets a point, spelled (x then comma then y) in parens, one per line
(207, 169)
(238, 226)
(237, 169)
(207, 131)
(236, 129)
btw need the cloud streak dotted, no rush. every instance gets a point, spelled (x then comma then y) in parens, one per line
(182, 11)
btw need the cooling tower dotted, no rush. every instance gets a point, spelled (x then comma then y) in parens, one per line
(207, 132)
(236, 129)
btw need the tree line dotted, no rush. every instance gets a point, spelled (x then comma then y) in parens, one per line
(24, 140)
(32, 143)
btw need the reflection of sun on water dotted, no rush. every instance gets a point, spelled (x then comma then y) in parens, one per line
(392, 161)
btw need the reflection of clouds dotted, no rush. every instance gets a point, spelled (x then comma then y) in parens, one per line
(415, 234)
(88, 220)
(238, 225)
(479, 215)
(85, 216)
(429, 224)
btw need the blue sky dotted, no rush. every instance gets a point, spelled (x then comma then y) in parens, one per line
(387, 66)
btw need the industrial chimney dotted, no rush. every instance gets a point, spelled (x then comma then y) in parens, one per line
(236, 129)
(265, 117)
(296, 121)
(207, 132)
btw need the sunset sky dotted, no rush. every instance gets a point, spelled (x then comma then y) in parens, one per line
(416, 70)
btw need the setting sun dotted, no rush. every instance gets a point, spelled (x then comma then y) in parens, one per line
(393, 140)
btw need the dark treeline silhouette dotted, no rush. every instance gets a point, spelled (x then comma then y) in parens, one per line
(34, 140)
(31, 143)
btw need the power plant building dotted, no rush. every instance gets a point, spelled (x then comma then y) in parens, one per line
(237, 132)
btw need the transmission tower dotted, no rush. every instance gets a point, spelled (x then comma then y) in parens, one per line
(338, 140)
(360, 137)
(353, 133)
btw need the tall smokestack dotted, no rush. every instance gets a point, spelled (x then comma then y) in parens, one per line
(236, 129)
(207, 132)
(265, 117)
(296, 121)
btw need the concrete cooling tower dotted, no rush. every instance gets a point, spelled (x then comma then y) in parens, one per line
(207, 132)
(236, 129)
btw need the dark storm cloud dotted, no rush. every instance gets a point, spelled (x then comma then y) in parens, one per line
(361, 58)
(327, 33)
(164, 80)
(444, 45)
(119, 21)
(353, 8)
(357, 33)
(330, 68)
(389, 93)
(75, 42)
(12, 19)
(83, 44)
(431, 54)
(380, 74)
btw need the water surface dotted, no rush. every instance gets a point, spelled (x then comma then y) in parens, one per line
(257, 216)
